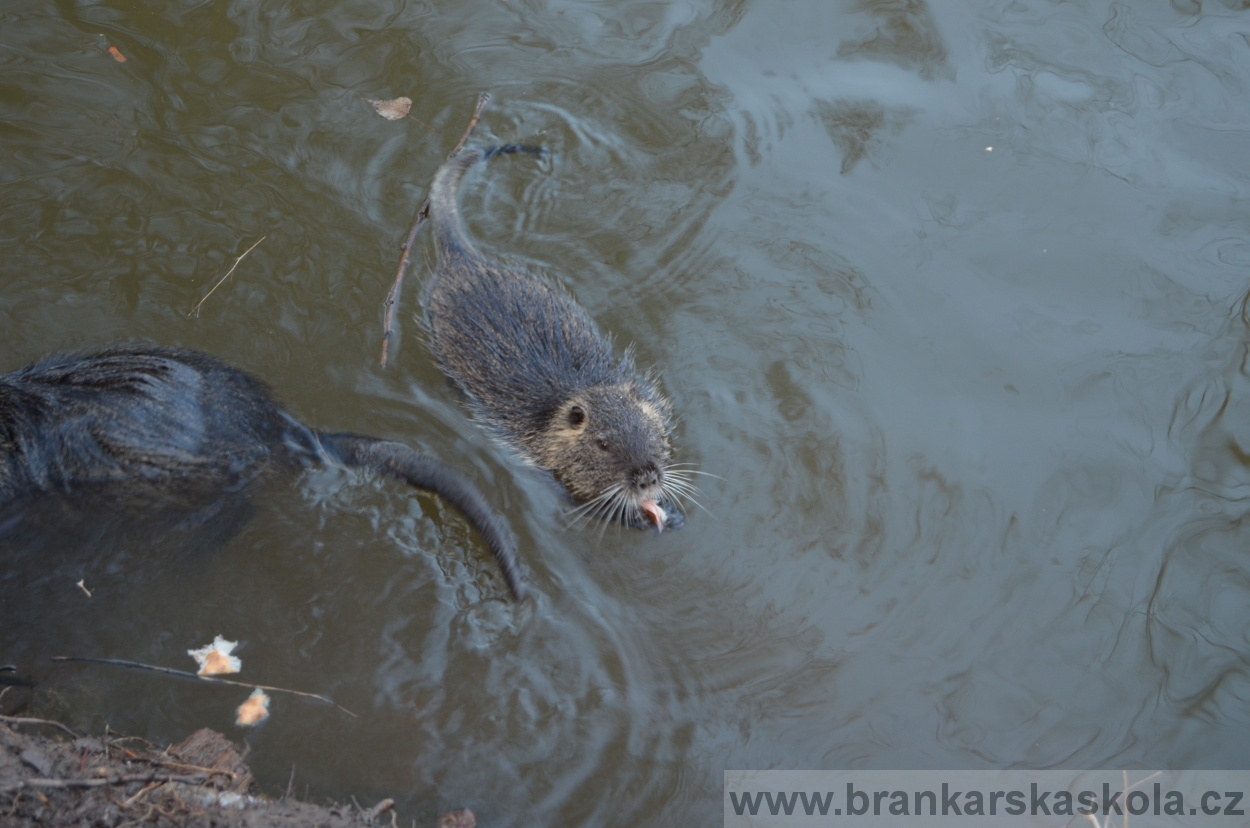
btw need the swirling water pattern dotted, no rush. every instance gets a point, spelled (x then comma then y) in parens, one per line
(949, 297)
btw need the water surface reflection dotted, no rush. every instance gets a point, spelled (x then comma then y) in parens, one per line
(950, 298)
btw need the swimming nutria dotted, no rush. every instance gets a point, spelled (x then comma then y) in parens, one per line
(538, 372)
(159, 423)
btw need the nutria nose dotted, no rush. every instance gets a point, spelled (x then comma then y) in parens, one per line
(645, 476)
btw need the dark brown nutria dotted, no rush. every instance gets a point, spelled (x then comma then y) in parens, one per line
(539, 373)
(153, 423)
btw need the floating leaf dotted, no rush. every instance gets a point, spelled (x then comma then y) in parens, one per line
(253, 711)
(215, 659)
(392, 110)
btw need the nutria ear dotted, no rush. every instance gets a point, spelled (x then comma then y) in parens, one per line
(577, 416)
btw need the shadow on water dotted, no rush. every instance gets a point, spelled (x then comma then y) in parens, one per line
(81, 566)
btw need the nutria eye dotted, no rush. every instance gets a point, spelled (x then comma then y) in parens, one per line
(577, 416)
(603, 443)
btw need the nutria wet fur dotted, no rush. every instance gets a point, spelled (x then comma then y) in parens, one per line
(161, 425)
(539, 373)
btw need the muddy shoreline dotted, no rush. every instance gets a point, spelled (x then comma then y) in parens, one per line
(50, 775)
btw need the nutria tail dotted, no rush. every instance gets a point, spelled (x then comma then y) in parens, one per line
(402, 463)
(448, 231)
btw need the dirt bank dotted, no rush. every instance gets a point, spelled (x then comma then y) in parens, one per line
(51, 776)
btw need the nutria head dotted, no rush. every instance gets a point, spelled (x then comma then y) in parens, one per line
(608, 445)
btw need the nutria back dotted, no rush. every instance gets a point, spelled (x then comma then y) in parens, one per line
(178, 429)
(538, 372)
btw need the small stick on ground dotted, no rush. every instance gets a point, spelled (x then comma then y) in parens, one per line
(169, 671)
(115, 741)
(195, 311)
(392, 298)
(125, 779)
(182, 766)
(151, 786)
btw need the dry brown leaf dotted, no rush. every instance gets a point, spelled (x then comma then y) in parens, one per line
(392, 110)
(253, 711)
(215, 659)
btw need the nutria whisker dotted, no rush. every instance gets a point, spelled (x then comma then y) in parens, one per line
(686, 498)
(689, 468)
(617, 512)
(681, 475)
(538, 373)
(595, 507)
(680, 489)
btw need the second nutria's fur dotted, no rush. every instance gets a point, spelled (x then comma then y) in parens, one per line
(161, 426)
(538, 372)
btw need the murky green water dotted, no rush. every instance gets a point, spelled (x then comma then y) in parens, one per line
(950, 299)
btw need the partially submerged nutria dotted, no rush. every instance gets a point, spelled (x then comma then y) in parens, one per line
(538, 372)
(157, 424)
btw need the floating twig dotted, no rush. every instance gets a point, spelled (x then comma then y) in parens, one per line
(392, 298)
(196, 310)
(169, 671)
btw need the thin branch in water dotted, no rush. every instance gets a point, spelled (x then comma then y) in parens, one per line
(169, 671)
(392, 296)
(196, 310)
(17, 720)
(377, 810)
(289, 784)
